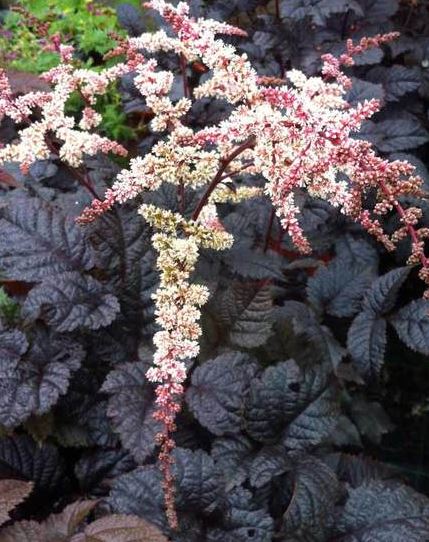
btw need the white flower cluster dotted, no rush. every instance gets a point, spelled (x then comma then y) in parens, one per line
(55, 132)
(167, 163)
(177, 312)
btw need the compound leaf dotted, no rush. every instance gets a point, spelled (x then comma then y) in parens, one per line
(246, 521)
(139, 493)
(269, 462)
(233, 455)
(294, 404)
(13, 344)
(24, 531)
(198, 481)
(96, 467)
(130, 19)
(33, 384)
(356, 251)
(58, 527)
(254, 263)
(65, 524)
(338, 288)
(306, 325)
(317, 10)
(364, 90)
(22, 458)
(397, 80)
(376, 11)
(397, 134)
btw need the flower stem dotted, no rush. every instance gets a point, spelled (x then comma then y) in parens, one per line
(277, 9)
(411, 230)
(186, 89)
(248, 144)
(269, 228)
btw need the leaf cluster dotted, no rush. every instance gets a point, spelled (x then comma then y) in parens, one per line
(291, 392)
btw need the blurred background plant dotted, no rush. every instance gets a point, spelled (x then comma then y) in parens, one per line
(91, 27)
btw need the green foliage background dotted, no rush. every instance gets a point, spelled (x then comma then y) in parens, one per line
(87, 26)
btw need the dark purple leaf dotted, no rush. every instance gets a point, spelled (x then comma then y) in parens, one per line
(218, 391)
(37, 241)
(131, 407)
(70, 301)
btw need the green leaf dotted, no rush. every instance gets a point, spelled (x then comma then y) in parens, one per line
(9, 309)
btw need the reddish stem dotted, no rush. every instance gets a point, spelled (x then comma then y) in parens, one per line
(248, 144)
(186, 89)
(82, 178)
(401, 212)
(236, 171)
(269, 228)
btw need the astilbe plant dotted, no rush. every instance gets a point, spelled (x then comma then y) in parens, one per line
(294, 134)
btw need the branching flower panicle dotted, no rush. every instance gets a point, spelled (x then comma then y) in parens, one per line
(295, 135)
(55, 131)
